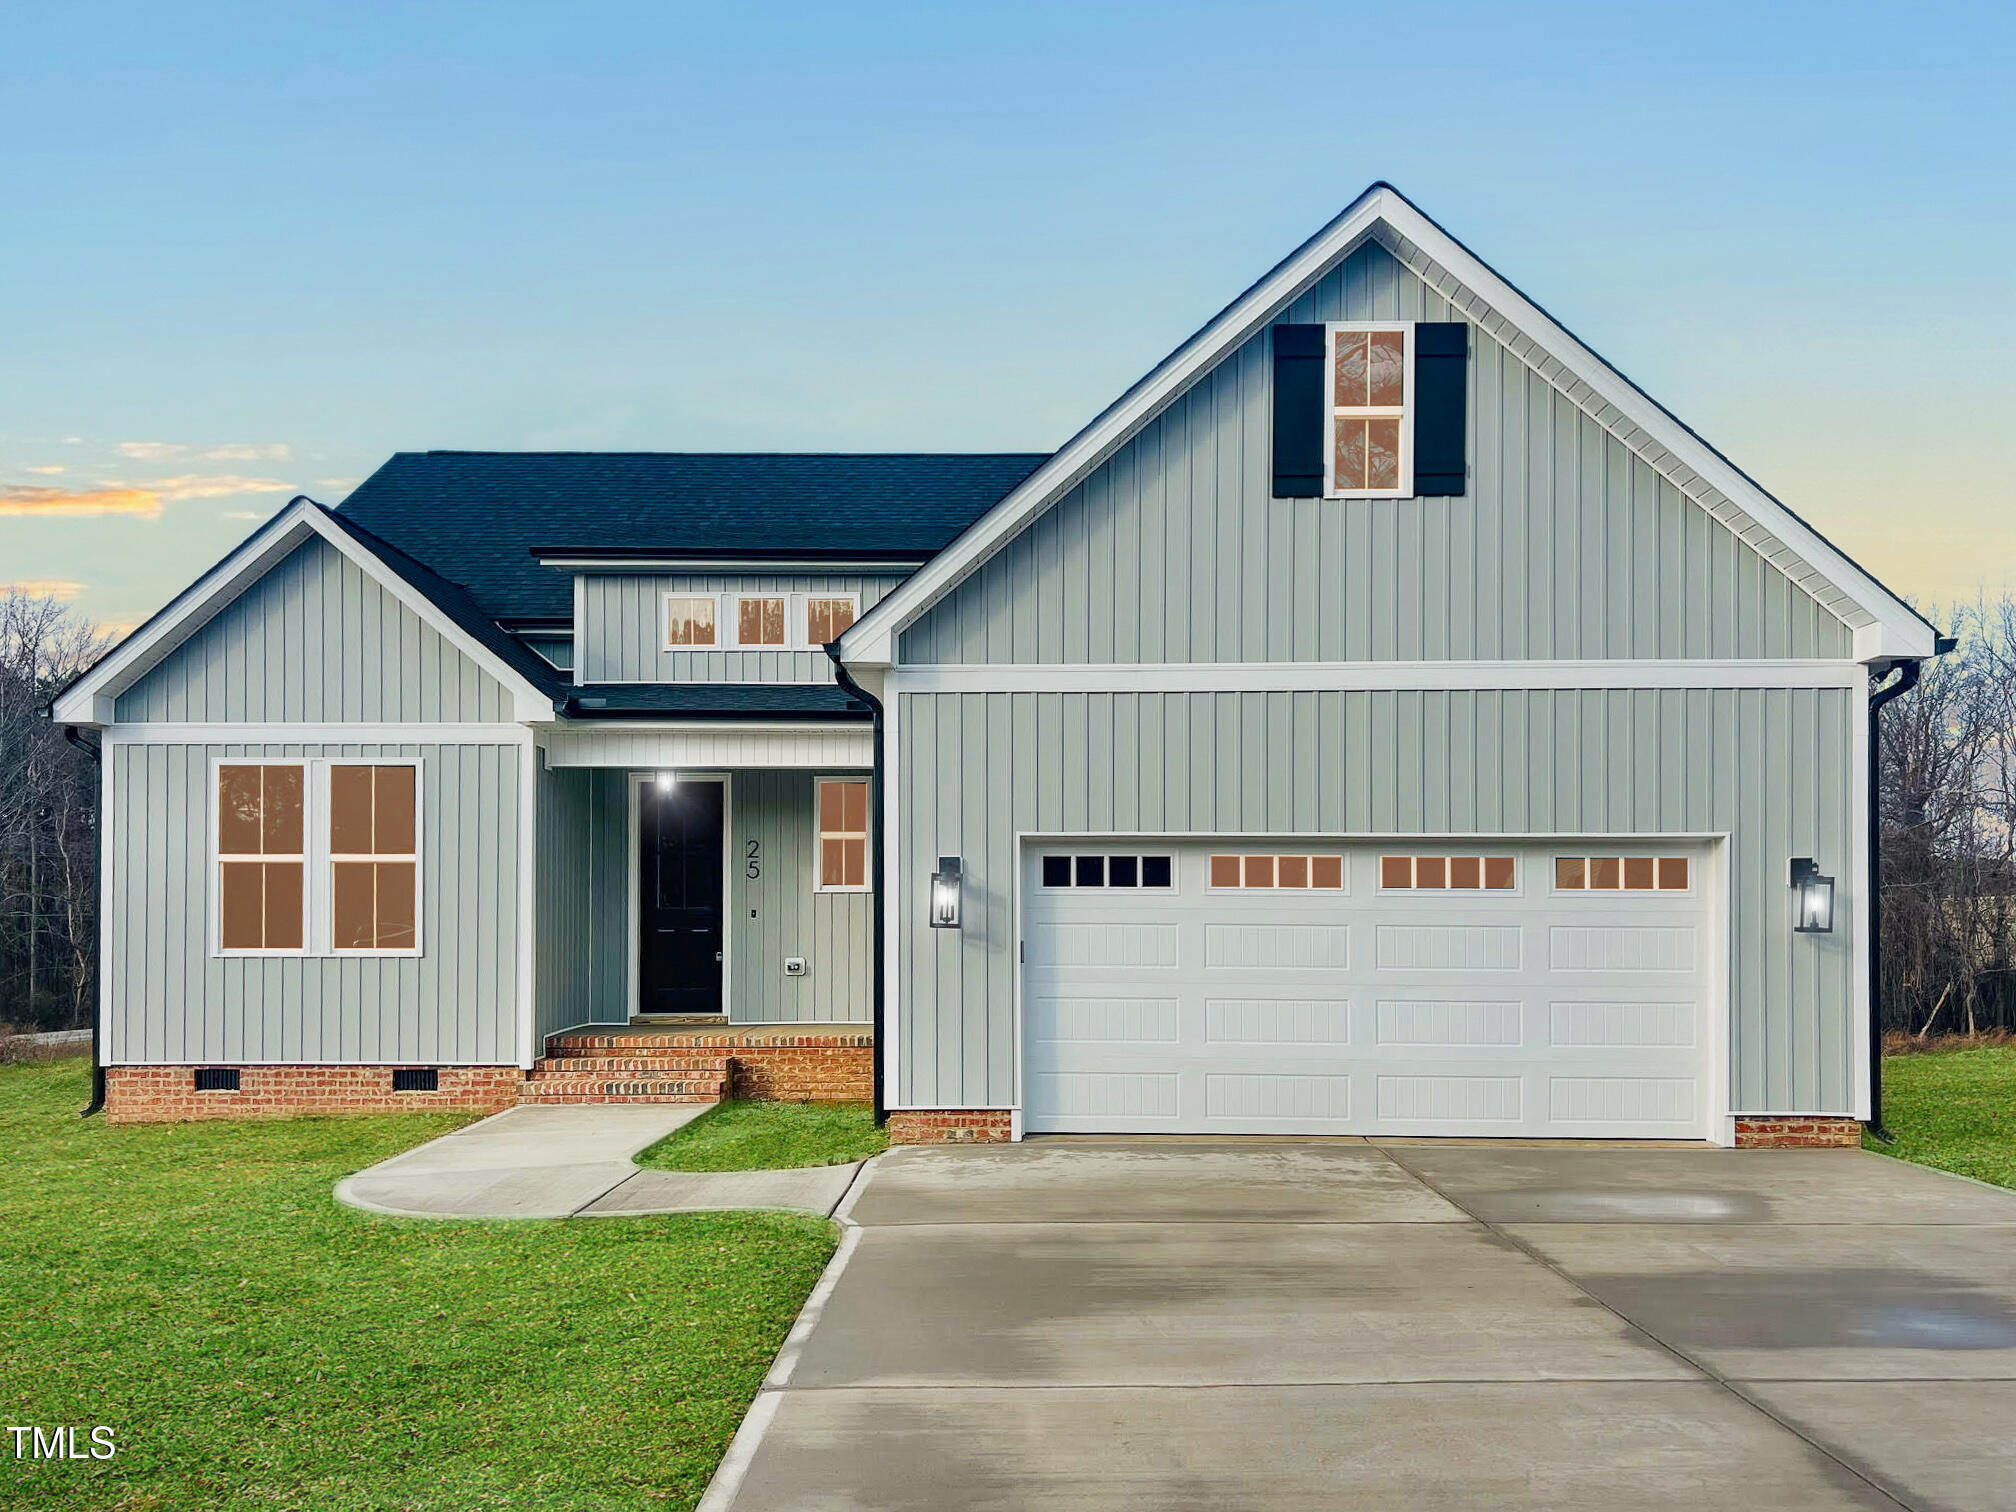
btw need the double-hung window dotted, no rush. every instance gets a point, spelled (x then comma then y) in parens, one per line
(261, 867)
(1371, 388)
(374, 857)
(316, 857)
(843, 834)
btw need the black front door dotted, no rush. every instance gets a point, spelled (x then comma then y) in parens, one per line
(679, 874)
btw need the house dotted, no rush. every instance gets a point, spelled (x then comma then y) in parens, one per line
(1383, 719)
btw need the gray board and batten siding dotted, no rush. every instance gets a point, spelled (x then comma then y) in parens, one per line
(623, 627)
(1566, 546)
(780, 913)
(316, 639)
(582, 903)
(169, 1000)
(1769, 767)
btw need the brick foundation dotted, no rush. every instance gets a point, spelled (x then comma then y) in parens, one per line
(951, 1126)
(811, 1068)
(167, 1094)
(1797, 1132)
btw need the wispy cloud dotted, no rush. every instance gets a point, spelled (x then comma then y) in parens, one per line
(214, 486)
(56, 588)
(244, 514)
(179, 451)
(48, 472)
(42, 499)
(343, 485)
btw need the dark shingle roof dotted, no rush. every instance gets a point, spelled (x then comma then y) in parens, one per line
(713, 701)
(472, 517)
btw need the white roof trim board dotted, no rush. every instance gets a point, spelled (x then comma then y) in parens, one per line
(1885, 627)
(90, 700)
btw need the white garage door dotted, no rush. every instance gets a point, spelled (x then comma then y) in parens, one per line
(1408, 988)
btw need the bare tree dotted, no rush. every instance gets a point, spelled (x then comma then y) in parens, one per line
(48, 820)
(1948, 815)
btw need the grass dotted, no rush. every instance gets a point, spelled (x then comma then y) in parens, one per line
(770, 1136)
(254, 1345)
(1954, 1109)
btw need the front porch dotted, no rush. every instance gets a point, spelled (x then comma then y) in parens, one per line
(705, 914)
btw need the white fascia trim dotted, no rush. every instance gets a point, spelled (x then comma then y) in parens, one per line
(88, 701)
(1312, 677)
(873, 639)
(310, 734)
(528, 907)
(590, 728)
(788, 566)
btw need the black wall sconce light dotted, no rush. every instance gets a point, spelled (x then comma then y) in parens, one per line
(945, 894)
(1814, 897)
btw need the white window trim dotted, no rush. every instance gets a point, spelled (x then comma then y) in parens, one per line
(867, 884)
(665, 603)
(1608, 894)
(1241, 890)
(325, 871)
(728, 619)
(213, 884)
(802, 605)
(1107, 889)
(1404, 413)
(1516, 890)
(318, 927)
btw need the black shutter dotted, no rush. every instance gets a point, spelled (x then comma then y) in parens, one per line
(1298, 411)
(1441, 394)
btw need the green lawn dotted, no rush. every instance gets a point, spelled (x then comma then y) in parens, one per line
(256, 1346)
(1954, 1109)
(770, 1136)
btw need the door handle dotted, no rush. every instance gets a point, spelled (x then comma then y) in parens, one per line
(717, 955)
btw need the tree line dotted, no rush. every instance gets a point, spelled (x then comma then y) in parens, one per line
(48, 821)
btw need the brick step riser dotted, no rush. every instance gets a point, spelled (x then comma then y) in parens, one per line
(602, 1099)
(611, 1065)
(578, 1086)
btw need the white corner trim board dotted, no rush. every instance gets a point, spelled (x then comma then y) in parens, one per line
(1384, 213)
(1317, 677)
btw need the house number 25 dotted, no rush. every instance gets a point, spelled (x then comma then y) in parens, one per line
(754, 869)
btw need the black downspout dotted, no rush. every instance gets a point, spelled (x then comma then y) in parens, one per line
(1904, 684)
(875, 864)
(98, 1009)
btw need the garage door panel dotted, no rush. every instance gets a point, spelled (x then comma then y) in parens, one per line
(1362, 1010)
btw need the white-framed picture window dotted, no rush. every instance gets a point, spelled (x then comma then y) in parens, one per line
(1369, 420)
(258, 846)
(841, 804)
(689, 620)
(374, 857)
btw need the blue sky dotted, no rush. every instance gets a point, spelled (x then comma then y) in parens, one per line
(252, 250)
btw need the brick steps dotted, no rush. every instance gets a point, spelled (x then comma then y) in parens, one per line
(681, 1066)
(544, 1088)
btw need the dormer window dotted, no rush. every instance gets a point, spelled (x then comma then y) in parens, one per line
(1371, 434)
(689, 621)
(759, 621)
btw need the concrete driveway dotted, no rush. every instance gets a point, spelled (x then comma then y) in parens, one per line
(1078, 1323)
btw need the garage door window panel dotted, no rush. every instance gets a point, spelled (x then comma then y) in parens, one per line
(1248, 872)
(1127, 873)
(1448, 874)
(1623, 874)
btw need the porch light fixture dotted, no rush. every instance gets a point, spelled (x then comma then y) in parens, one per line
(945, 894)
(667, 781)
(1814, 895)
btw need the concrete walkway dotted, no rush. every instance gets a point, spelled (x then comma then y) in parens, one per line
(574, 1161)
(1212, 1325)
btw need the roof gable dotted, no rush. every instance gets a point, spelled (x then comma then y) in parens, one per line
(1884, 625)
(92, 698)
